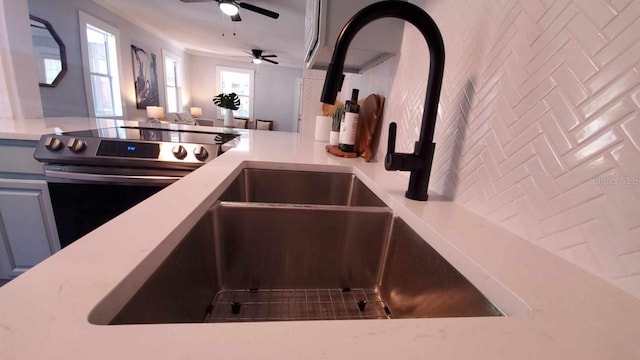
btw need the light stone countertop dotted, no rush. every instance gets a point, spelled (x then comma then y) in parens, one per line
(557, 311)
(32, 129)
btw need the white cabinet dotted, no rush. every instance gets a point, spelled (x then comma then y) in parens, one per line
(375, 43)
(28, 232)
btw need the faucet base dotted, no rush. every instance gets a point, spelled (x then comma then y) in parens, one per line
(418, 197)
(419, 178)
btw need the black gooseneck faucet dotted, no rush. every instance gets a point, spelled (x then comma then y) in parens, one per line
(419, 162)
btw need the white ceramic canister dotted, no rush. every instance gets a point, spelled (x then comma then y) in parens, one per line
(323, 128)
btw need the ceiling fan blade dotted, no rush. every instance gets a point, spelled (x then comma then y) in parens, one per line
(270, 61)
(236, 17)
(264, 56)
(259, 10)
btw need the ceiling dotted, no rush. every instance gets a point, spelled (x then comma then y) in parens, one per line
(202, 29)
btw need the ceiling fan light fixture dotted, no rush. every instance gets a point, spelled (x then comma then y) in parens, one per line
(229, 8)
(256, 61)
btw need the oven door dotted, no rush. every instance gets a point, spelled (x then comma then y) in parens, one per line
(85, 197)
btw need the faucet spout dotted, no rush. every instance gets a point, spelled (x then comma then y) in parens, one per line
(419, 162)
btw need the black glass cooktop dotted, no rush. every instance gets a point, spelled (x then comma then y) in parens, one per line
(156, 134)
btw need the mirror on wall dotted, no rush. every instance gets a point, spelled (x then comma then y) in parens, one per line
(49, 52)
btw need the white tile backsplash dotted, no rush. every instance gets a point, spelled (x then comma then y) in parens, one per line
(538, 123)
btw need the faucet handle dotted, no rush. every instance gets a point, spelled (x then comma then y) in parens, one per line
(397, 161)
(391, 144)
(391, 160)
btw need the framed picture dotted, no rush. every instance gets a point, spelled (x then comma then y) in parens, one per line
(145, 78)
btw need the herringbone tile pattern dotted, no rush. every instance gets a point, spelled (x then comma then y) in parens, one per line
(311, 105)
(539, 121)
(548, 147)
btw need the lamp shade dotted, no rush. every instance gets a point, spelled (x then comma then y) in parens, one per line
(155, 112)
(196, 111)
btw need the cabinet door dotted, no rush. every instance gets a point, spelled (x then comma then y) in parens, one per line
(375, 43)
(28, 232)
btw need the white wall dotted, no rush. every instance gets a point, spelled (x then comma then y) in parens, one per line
(21, 97)
(69, 99)
(7, 80)
(274, 89)
(538, 121)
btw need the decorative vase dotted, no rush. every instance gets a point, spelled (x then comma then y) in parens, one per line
(334, 138)
(323, 128)
(228, 118)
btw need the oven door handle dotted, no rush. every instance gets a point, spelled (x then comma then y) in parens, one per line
(63, 176)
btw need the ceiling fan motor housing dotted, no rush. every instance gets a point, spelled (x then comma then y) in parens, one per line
(258, 57)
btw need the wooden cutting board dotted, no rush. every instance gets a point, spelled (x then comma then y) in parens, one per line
(369, 120)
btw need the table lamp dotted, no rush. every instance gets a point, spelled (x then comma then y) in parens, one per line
(155, 113)
(196, 112)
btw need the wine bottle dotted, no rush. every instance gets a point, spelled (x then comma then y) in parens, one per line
(348, 137)
(343, 127)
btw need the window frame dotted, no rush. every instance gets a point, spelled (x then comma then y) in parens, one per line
(251, 74)
(86, 20)
(166, 55)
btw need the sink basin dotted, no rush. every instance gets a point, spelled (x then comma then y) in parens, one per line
(254, 257)
(299, 187)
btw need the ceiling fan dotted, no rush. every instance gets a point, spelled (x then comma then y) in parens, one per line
(259, 58)
(232, 8)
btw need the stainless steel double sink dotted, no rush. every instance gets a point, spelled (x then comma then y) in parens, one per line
(301, 245)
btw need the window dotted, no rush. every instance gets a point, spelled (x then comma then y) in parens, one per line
(172, 81)
(52, 68)
(239, 81)
(100, 65)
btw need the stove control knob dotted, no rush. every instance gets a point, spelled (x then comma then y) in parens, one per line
(201, 153)
(53, 144)
(179, 152)
(76, 145)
